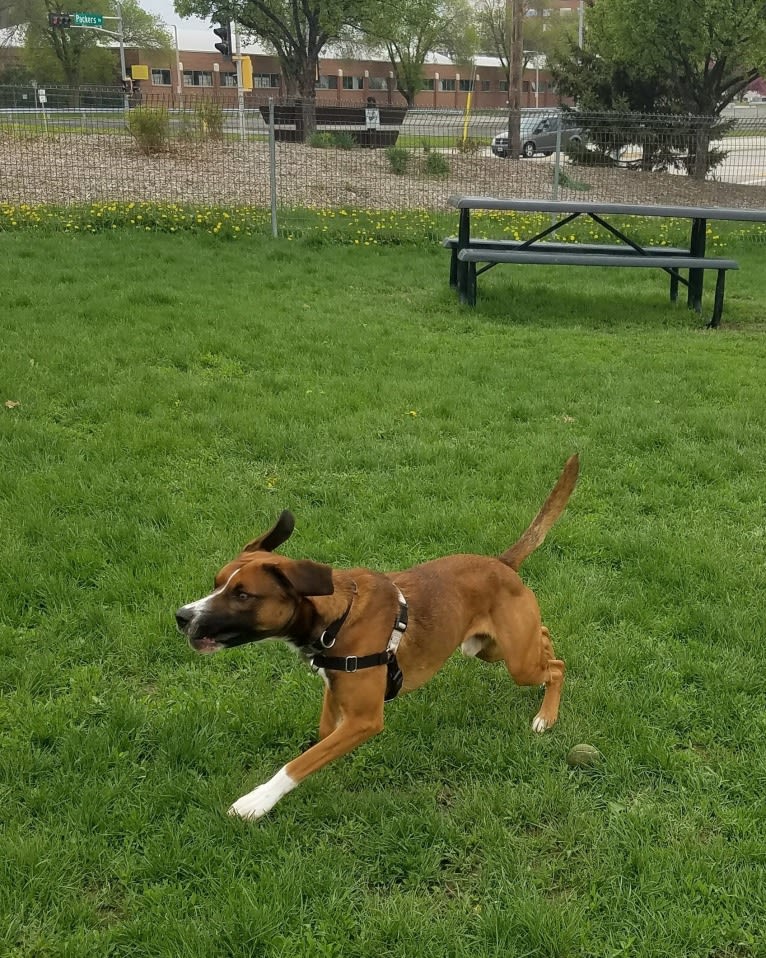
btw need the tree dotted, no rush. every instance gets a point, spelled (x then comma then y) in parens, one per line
(689, 58)
(297, 30)
(409, 30)
(515, 31)
(73, 56)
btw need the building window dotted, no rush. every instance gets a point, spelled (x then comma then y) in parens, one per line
(448, 86)
(503, 86)
(261, 81)
(327, 83)
(377, 83)
(353, 83)
(429, 83)
(486, 86)
(466, 86)
(198, 78)
(228, 79)
(160, 77)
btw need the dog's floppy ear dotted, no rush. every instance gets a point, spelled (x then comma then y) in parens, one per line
(303, 576)
(280, 532)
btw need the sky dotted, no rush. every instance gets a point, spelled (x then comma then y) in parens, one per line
(193, 34)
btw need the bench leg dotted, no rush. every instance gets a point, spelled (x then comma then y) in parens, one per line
(718, 303)
(453, 268)
(468, 292)
(674, 287)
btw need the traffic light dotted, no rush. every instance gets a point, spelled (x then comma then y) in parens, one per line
(223, 31)
(60, 20)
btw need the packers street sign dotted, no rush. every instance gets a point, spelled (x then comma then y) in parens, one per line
(87, 20)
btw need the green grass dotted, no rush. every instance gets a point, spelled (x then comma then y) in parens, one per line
(174, 393)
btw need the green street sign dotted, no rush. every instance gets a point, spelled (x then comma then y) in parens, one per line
(87, 20)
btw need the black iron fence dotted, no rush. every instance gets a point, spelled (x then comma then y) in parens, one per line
(70, 147)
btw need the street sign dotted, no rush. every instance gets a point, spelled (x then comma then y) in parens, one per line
(87, 20)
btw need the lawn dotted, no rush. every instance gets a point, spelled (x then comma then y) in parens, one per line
(162, 398)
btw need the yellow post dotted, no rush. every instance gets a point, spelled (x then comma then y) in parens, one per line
(247, 71)
(467, 114)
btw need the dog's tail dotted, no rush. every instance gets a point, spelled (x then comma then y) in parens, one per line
(538, 529)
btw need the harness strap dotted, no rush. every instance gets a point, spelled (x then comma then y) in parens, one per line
(352, 663)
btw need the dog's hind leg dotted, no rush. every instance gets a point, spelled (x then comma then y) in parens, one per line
(551, 675)
(543, 669)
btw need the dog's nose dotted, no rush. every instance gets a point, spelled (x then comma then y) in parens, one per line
(184, 617)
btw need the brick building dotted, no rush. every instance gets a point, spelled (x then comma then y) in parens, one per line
(341, 81)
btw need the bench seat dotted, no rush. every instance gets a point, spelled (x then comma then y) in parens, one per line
(451, 243)
(577, 255)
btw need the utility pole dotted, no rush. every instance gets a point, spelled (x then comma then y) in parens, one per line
(515, 22)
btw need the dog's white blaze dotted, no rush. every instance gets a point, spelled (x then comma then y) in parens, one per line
(201, 604)
(262, 799)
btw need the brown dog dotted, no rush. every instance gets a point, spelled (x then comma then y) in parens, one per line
(386, 631)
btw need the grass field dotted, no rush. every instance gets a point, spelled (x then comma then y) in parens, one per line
(162, 398)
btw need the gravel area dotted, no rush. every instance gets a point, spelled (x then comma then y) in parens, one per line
(71, 168)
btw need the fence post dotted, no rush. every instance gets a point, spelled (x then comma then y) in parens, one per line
(272, 168)
(557, 164)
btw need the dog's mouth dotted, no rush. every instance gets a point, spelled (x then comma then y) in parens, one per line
(207, 644)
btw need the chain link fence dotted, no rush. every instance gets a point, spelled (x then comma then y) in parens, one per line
(99, 145)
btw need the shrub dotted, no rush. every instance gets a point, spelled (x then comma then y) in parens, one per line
(209, 117)
(150, 128)
(325, 140)
(398, 159)
(344, 140)
(469, 144)
(436, 164)
(321, 140)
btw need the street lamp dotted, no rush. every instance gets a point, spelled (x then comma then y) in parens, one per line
(536, 54)
(179, 75)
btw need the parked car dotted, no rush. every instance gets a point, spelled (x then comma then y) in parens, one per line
(538, 134)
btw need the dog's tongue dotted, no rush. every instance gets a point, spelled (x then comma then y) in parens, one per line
(206, 644)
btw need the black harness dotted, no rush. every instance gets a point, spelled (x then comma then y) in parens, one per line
(353, 663)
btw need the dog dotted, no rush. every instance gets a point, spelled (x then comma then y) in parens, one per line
(388, 632)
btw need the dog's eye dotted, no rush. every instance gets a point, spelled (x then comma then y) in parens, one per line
(242, 596)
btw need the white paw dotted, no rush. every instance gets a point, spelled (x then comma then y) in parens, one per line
(262, 799)
(253, 805)
(539, 724)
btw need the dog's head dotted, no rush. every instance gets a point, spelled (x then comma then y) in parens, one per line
(256, 596)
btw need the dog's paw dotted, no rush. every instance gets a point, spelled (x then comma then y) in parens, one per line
(255, 804)
(540, 723)
(251, 806)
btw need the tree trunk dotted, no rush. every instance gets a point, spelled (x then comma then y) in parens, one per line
(515, 12)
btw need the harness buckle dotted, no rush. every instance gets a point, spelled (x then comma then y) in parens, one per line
(327, 643)
(352, 659)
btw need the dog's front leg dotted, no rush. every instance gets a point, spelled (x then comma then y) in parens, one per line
(352, 731)
(330, 717)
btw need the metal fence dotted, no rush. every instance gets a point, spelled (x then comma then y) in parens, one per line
(90, 145)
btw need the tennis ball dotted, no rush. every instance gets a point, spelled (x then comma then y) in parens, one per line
(583, 756)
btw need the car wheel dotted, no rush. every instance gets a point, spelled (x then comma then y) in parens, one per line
(528, 150)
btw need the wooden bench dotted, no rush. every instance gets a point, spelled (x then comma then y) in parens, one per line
(577, 256)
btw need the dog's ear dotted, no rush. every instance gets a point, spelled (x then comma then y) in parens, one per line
(303, 576)
(280, 532)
